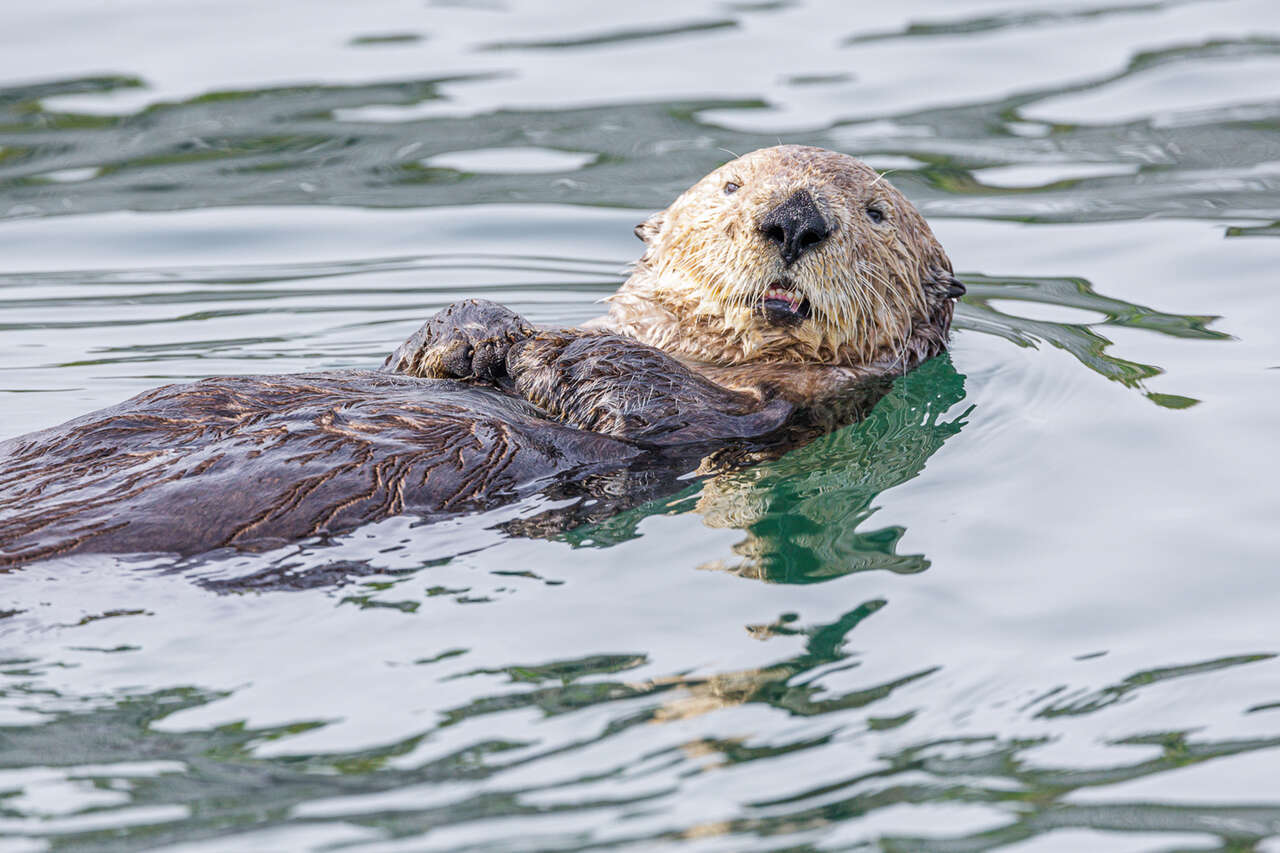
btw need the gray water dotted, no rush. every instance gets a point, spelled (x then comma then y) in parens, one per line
(1029, 604)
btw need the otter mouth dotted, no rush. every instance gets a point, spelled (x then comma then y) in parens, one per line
(782, 304)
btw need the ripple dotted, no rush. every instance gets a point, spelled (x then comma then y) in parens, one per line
(1046, 174)
(1161, 89)
(386, 39)
(613, 37)
(511, 160)
(1053, 297)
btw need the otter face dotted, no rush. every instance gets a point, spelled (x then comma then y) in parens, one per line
(794, 254)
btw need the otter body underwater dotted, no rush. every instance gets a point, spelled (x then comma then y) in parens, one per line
(780, 289)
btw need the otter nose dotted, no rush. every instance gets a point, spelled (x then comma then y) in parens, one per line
(796, 226)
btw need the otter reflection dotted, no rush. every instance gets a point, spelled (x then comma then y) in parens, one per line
(772, 685)
(800, 503)
(802, 512)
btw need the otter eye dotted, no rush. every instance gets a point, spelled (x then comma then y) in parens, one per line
(875, 214)
(731, 188)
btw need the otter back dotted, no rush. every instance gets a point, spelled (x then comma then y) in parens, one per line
(259, 460)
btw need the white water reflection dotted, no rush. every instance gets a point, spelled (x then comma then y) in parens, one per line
(511, 160)
(1161, 93)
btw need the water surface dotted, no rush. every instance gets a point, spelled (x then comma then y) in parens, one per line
(1028, 604)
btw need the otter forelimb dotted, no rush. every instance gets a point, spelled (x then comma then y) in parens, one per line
(617, 386)
(603, 383)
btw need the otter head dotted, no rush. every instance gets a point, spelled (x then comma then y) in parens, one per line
(791, 254)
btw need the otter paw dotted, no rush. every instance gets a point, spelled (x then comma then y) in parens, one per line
(468, 340)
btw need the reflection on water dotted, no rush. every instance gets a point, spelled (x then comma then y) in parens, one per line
(1072, 647)
(802, 512)
(366, 145)
(159, 784)
(1082, 340)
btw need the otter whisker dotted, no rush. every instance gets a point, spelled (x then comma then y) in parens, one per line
(886, 173)
(859, 295)
(882, 279)
(901, 357)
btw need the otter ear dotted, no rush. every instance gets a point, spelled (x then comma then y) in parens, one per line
(648, 229)
(954, 287)
(943, 281)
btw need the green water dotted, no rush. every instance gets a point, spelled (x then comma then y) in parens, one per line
(1028, 604)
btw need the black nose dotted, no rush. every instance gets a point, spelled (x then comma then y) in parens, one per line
(796, 226)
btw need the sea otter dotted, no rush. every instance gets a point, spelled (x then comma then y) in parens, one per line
(772, 300)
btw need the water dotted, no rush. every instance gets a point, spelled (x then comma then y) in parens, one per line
(1027, 605)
